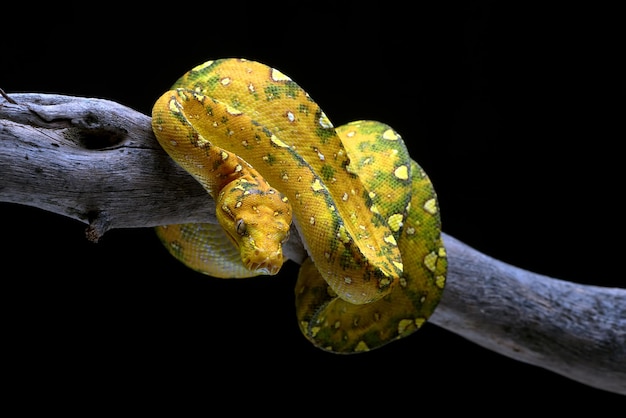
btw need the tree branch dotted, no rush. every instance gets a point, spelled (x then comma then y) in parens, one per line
(75, 156)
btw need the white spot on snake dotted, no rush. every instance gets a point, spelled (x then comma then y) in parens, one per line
(344, 197)
(224, 155)
(278, 76)
(278, 142)
(402, 172)
(317, 185)
(251, 88)
(324, 121)
(285, 177)
(173, 105)
(201, 141)
(389, 239)
(430, 261)
(238, 168)
(173, 143)
(395, 222)
(431, 206)
(319, 154)
(225, 81)
(198, 96)
(312, 220)
(361, 346)
(350, 134)
(290, 116)
(347, 280)
(390, 135)
(343, 235)
(405, 325)
(440, 281)
(202, 66)
(233, 111)
(410, 230)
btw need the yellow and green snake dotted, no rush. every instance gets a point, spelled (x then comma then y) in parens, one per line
(268, 155)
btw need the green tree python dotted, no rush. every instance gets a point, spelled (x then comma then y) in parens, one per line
(268, 155)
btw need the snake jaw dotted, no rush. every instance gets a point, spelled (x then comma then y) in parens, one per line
(262, 261)
(266, 267)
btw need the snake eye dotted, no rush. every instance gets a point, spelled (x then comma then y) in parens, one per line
(241, 227)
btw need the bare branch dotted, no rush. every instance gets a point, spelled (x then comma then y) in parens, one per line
(75, 156)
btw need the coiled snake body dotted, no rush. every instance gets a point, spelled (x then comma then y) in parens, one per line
(267, 154)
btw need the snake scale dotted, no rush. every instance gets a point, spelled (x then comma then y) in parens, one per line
(268, 155)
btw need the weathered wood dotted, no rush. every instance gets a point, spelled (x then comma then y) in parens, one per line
(77, 156)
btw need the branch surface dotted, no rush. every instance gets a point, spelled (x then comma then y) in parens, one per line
(97, 161)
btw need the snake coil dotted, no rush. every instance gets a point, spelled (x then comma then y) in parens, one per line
(268, 155)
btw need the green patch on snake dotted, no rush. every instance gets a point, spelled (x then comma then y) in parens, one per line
(377, 148)
(324, 134)
(276, 91)
(327, 172)
(199, 81)
(386, 180)
(302, 108)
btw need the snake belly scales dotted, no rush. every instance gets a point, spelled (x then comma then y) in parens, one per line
(267, 154)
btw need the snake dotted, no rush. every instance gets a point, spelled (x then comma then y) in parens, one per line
(270, 159)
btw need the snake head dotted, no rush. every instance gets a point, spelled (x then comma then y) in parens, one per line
(257, 218)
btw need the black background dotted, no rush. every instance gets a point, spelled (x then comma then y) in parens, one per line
(515, 111)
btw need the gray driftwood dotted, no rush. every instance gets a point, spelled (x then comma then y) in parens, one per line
(74, 156)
